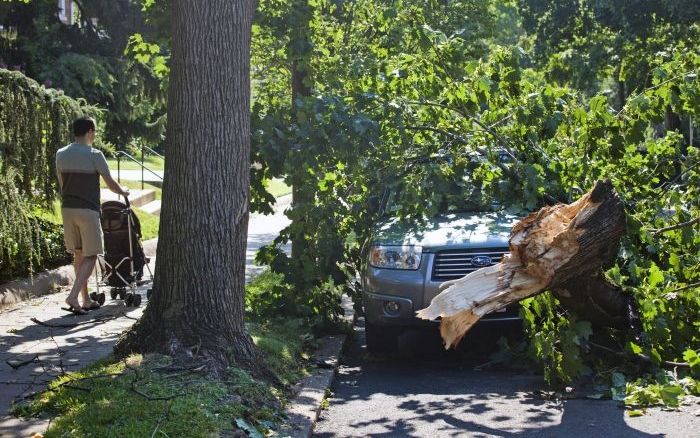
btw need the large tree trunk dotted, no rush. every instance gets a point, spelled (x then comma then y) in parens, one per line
(197, 306)
(562, 248)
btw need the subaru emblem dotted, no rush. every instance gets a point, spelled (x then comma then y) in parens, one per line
(482, 261)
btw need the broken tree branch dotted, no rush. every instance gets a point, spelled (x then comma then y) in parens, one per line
(50, 325)
(562, 247)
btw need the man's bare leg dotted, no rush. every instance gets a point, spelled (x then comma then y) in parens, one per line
(77, 261)
(84, 295)
(82, 275)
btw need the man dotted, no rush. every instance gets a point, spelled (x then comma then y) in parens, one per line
(79, 167)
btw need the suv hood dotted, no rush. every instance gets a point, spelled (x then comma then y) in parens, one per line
(472, 230)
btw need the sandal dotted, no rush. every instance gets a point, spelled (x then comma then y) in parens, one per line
(92, 306)
(75, 310)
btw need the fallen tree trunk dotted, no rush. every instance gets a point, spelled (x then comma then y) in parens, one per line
(562, 248)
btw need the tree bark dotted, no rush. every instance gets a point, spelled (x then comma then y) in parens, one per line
(562, 248)
(197, 306)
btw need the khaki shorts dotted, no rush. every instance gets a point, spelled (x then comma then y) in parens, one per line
(82, 231)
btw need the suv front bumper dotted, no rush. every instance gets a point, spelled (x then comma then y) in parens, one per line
(392, 296)
(379, 310)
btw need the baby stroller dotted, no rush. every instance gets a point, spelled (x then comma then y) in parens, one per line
(123, 262)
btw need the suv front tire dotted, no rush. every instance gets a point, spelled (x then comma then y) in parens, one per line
(381, 339)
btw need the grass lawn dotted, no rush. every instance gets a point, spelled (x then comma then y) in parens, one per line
(149, 222)
(277, 187)
(148, 396)
(151, 161)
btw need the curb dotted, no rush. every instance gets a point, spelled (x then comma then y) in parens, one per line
(305, 407)
(40, 284)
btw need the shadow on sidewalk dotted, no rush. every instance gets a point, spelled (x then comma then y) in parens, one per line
(32, 354)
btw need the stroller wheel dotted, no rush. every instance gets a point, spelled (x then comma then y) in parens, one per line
(101, 298)
(129, 300)
(113, 293)
(122, 293)
(93, 297)
(136, 301)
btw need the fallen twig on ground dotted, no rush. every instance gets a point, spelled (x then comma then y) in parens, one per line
(136, 379)
(50, 325)
(76, 324)
(23, 382)
(162, 418)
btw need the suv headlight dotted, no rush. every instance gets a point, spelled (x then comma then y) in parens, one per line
(395, 257)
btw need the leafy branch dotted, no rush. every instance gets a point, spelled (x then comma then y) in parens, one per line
(482, 151)
(689, 223)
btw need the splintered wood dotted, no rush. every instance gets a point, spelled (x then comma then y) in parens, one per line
(542, 247)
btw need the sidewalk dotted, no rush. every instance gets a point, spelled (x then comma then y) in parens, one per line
(67, 342)
(71, 343)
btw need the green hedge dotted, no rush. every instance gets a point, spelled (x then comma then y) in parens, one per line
(34, 123)
(47, 244)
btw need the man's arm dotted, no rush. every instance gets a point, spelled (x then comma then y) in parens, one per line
(114, 186)
(103, 170)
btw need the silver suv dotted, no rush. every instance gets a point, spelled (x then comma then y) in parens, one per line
(406, 263)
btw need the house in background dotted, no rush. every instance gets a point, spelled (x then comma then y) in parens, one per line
(66, 11)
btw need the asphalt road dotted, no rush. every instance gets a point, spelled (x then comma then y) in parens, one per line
(424, 392)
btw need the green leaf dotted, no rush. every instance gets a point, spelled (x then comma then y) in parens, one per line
(634, 348)
(655, 275)
(598, 104)
(635, 413)
(671, 394)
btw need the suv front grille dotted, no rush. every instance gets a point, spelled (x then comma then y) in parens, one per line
(453, 264)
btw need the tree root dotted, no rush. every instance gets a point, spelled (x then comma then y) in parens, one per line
(213, 354)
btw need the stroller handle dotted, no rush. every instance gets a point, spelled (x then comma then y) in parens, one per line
(126, 201)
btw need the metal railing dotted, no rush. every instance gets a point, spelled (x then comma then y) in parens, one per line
(151, 151)
(120, 154)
